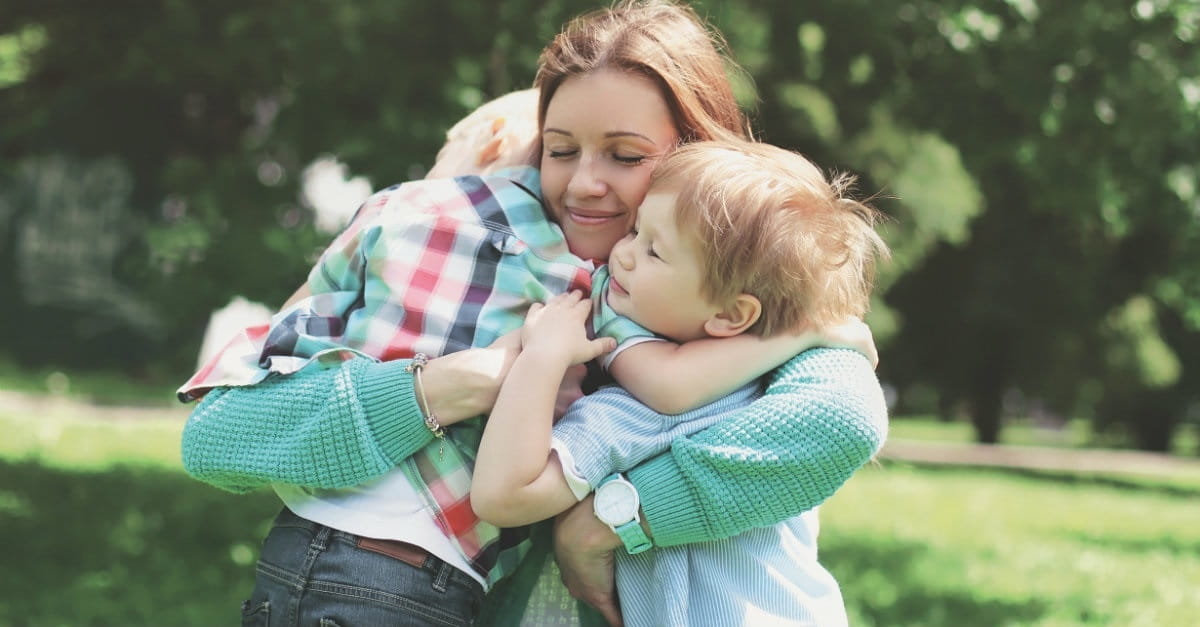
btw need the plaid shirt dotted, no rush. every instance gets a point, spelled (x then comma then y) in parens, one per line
(433, 266)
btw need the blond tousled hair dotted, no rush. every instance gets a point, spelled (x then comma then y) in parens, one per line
(662, 41)
(769, 223)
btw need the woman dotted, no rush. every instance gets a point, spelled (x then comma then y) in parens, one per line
(618, 89)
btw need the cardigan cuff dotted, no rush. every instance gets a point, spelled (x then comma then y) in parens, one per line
(669, 505)
(387, 396)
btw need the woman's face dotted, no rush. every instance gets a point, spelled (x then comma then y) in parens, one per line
(604, 133)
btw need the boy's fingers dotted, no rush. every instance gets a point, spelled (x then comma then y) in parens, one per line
(604, 345)
(568, 298)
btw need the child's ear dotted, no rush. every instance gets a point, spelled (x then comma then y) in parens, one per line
(740, 315)
(491, 150)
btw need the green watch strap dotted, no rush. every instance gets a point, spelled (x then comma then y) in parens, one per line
(634, 537)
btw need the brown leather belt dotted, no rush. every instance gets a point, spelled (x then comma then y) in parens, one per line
(406, 552)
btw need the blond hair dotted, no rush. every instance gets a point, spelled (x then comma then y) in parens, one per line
(769, 224)
(660, 40)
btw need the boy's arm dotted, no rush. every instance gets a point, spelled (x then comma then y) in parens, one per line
(673, 378)
(516, 480)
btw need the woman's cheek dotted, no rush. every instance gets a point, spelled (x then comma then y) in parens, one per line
(553, 182)
(638, 187)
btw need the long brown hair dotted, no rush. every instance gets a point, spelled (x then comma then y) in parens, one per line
(663, 41)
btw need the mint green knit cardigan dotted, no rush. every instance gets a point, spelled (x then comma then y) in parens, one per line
(822, 417)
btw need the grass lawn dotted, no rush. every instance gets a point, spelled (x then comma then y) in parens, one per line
(103, 528)
(949, 547)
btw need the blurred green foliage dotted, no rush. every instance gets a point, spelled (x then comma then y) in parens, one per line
(1039, 161)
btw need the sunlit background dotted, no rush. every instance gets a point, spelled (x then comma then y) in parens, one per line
(1039, 325)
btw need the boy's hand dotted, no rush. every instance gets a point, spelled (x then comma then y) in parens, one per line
(556, 330)
(853, 334)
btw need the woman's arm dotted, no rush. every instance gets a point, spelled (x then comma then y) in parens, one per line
(339, 427)
(823, 416)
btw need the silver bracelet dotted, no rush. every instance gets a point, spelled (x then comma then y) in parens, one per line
(418, 363)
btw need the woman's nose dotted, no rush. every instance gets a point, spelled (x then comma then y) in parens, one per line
(586, 180)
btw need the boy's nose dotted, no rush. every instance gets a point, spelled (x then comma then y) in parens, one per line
(622, 253)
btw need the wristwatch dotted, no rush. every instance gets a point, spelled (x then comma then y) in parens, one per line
(616, 505)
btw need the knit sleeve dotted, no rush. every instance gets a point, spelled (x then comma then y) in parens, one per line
(319, 427)
(823, 416)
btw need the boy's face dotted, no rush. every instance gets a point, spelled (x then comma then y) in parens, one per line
(656, 274)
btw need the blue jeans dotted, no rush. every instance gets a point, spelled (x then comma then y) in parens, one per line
(310, 574)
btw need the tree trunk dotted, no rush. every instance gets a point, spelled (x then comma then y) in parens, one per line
(985, 405)
(1154, 423)
(985, 416)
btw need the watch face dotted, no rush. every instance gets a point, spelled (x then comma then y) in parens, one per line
(616, 502)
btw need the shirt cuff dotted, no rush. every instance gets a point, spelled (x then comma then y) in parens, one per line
(386, 393)
(579, 486)
(669, 506)
(608, 358)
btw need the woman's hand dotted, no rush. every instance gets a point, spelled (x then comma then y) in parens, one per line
(463, 385)
(583, 547)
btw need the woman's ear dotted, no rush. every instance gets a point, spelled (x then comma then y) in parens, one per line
(740, 315)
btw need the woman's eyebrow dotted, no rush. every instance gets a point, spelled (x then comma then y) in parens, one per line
(627, 134)
(607, 135)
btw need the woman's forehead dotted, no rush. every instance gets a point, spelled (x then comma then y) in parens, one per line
(610, 102)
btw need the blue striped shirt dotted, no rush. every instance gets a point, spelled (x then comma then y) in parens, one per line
(764, 576)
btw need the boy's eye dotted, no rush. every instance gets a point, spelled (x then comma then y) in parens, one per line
(650, 251)
(629, 159)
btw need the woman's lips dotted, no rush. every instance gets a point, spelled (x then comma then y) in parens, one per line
(591, 218)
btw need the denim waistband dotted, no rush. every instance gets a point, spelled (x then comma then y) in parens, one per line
(288, 518)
